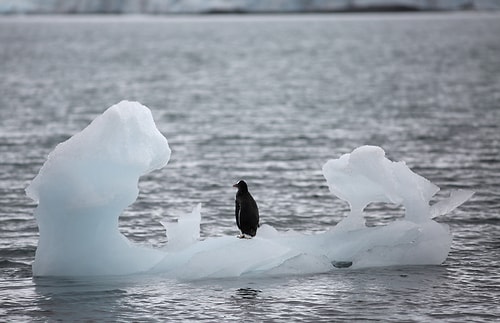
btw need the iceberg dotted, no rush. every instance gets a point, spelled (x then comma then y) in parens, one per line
(88, 180)
(85, 184)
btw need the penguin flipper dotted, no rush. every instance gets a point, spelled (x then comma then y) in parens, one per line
(237, 213)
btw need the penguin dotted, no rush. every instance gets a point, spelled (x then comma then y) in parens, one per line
(246, 211)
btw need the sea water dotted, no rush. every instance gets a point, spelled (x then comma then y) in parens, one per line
(269, 100)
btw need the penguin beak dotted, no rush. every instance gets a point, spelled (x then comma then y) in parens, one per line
(235, 185)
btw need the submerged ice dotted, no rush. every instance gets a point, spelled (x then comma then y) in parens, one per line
(88, 180)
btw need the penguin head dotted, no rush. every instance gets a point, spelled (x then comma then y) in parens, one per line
(241, 185)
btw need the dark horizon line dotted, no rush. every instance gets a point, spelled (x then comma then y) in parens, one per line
(364, 9)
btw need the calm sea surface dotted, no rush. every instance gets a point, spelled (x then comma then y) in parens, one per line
(268, 99)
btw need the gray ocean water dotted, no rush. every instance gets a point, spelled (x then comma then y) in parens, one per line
(268, 99)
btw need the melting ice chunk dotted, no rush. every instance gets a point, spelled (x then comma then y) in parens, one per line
(366, 176)
(89, 179)
(456, 199)
(185, 231)
(84, 186)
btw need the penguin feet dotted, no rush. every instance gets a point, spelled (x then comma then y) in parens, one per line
(244, 236)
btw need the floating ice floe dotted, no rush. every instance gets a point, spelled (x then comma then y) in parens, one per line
(88, 180)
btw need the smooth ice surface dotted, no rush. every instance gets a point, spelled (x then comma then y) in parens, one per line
(84, 186)
(89, 179)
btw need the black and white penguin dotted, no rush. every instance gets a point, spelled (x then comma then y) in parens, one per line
(246, 212)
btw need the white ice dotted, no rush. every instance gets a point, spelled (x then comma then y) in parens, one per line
(89, 179)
